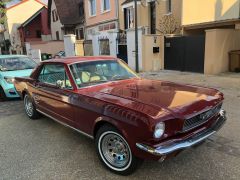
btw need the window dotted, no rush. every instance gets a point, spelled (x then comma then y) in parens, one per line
(38, 33)
(105, 5)
(81, 9)
(57, 36)
(27, 32)
(129, 17)
(153, 17)
(54, 15)
(80, 33)
(169, 6)
(107, 27)
(55, 74)
(104, 48)
(92, 7)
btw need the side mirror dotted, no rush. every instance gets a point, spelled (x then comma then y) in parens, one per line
(59, 84)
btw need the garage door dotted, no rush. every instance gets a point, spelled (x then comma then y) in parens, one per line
(185, 53)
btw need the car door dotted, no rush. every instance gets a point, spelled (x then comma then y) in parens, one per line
(53, 93)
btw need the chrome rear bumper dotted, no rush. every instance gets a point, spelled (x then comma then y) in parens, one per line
(197, 138)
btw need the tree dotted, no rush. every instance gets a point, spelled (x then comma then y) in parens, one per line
(3, 22)
(3, 11)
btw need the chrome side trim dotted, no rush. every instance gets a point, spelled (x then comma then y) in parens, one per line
(66, 125)
(169, 148)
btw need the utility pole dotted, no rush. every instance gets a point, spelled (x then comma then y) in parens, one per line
(136, 37)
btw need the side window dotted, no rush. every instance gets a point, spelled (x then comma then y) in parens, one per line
(55, 74)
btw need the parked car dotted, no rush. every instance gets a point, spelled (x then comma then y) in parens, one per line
(45, 56)
(60, 54)
(130, 118)
(13, 66)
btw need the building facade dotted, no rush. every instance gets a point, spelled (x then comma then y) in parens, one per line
(155, 16)
(35, 28)
(102, 25)
(55, 24)
(156, 19)
(218, 21)
(66, 17)
(16, 16)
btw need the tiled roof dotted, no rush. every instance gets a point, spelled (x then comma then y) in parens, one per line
(68, 11)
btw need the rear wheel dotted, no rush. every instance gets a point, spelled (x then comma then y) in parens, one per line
(114, 151)
(2, 95)
(30, 108)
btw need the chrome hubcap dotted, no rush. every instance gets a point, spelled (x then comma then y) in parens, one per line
(28, 105)
(115, 150)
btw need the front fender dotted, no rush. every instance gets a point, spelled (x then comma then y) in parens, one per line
(9, 89)
(134, 127)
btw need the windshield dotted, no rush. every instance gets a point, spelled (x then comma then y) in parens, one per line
(90, 73)
(16, 63)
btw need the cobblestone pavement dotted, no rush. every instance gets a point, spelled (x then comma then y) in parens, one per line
(43, 149)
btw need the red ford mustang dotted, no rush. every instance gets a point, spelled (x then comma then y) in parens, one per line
(130, 118)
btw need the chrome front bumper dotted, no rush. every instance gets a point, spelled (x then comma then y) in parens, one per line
(197, 138)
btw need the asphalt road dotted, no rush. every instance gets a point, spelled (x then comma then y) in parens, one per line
(43, 149)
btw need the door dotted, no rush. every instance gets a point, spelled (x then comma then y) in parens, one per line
(122, 47)
(185, 53)
(53, 94)
(88, 48)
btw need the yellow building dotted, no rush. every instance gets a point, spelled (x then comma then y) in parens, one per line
(156, 18)
(219, 22)
(16, 15)
(151, 15)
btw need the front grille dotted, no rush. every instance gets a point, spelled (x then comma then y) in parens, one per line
(200, 118)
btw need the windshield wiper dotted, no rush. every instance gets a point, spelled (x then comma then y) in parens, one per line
(117, 78)
(94, 82)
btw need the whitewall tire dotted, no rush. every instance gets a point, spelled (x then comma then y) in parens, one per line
(114, 151)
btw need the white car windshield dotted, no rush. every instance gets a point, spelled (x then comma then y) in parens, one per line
(16, 63)
(95, 72)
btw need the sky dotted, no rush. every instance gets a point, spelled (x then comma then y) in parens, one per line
(16, 1)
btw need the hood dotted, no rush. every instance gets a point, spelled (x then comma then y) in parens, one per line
(19, 73)
(183, 101)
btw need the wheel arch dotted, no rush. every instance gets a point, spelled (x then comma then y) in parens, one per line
(24, 92)
(100, 122)
(120, 126)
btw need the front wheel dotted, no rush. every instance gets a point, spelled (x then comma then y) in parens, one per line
(30, 107)
(114, 151)
(2, 95)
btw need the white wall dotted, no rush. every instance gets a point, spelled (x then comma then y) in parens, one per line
(131, 48)
(96, 35)
(219, 42)
(56, 26)
(69, 45)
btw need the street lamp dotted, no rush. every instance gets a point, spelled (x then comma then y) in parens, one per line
(136, 37)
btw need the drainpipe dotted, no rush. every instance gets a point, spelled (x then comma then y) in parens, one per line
(136, 37)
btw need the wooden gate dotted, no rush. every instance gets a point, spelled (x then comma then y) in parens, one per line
(104, 48)
(185, 53)
(88, 48)
(79, 48)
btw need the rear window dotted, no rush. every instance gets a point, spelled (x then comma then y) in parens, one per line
(16, 63)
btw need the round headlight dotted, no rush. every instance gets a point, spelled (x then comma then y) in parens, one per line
(159, 130)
